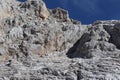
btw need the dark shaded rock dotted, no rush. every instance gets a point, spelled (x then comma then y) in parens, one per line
(114, 32)
(95, 39)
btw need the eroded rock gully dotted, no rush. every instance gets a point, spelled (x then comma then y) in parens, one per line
(37, 43)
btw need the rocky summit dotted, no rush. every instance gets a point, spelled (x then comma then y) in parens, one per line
(37, 43)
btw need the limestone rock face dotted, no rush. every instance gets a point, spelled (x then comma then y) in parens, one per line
(31, 29)
(96, 38)
(5, 10)
(61, 14)
(37, 7)
(102, 37)
(37, 43)
(114, 32)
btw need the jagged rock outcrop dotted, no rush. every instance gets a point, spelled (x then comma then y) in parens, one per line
(32, 26)
(95, 41)
(37, 43)
(38, 7)
(61, 14)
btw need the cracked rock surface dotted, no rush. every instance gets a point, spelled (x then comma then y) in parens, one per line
(37, 43)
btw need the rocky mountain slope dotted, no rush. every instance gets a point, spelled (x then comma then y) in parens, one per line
(37, 43)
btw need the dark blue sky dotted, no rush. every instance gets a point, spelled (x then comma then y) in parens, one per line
(88, 11)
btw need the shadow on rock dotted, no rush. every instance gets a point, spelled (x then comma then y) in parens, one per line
(78, 50)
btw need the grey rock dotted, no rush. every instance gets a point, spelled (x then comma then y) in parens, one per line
(38, 35)
(37, 43)
(60, 14)
(95, 39)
